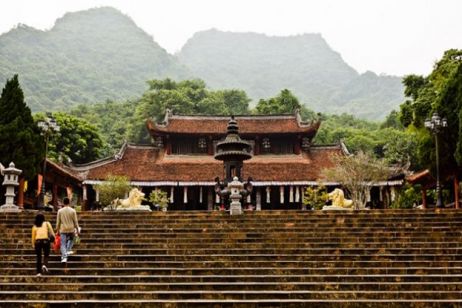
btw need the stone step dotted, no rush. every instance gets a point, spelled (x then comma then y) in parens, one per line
(263, 250)
(248, 256)
(231, 295)
(240, 270)
(198, 258)
(77, 262)
(43, 284)
(322, 303)
(373, 278)
(203, 261)
(380, 248)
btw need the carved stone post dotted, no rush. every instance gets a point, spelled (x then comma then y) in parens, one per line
(10, 181)
(235, 187)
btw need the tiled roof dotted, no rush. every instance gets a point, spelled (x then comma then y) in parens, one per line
(423, 177)
(247, 125)
(64, 170)
(150, 164)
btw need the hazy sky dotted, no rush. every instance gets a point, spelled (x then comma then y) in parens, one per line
(394, 37)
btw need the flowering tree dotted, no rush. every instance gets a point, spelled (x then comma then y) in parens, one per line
(357, 173)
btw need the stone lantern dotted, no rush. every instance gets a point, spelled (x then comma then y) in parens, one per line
(233, 151)
(10, 181)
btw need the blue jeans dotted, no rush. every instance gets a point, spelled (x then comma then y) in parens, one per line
(66, 243)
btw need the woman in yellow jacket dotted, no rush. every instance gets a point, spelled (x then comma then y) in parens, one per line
(41, 233)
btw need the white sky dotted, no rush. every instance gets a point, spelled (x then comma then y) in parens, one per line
(394, 37)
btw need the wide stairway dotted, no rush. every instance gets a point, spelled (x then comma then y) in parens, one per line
(293, 258)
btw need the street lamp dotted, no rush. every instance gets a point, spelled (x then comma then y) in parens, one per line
(48, 126)
(435, 125)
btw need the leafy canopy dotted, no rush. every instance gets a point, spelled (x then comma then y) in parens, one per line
(77, 141)
(440, 92)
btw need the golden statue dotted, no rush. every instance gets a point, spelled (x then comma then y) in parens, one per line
(135, 196)
(338, 200)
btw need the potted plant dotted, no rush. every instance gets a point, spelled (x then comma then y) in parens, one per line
(159, 199)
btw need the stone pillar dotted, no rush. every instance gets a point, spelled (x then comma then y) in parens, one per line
(85, 197)
(291, 194)
(10, 182)
(302, 195)
(258, 199)
(281, 194)
(200, 194)
(297, 194)
(210, 199)
(268, 194)
(185, 194)
(172, 193)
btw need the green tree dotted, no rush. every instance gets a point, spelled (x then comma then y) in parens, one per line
(112, 188)
(20, 140)
(284, 102)
(159, 198)
(184, 97)
(315, 197)
(440, 92)
(79, 141)
(112, 119)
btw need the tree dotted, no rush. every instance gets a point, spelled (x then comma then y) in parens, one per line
(184, 97)
(357, 173)
(112, 188)
(159, 198)
(79, 141)
(438, 92)
(20, 139)
(315, 197)
(284, 102)
(112, 120)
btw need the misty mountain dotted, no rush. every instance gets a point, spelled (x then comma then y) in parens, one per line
(87, 57)
(305, 64)
(99, 54)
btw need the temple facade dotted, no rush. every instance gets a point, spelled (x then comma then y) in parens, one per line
(181, 162)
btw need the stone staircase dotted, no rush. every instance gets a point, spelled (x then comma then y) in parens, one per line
(270, 258)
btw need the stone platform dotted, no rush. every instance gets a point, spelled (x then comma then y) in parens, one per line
(293, 258)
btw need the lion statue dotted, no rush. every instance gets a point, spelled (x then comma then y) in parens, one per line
(338, 199)
(135, 196)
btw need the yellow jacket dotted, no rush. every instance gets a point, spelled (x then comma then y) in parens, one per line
(41, 233)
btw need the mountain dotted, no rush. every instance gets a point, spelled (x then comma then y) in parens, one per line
(87, 57)
(101, 54)
(305, 64)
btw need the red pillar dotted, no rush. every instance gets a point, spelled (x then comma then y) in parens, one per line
(424, 198)
(456, 192)
(55, 196)
(256, 150)
(168, 145)
(297, 148)
(21, 193)
(210, 146)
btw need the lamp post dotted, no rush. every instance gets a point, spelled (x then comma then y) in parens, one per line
(435, 124)
(48, 126)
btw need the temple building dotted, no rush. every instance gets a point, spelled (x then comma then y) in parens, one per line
(181, 162)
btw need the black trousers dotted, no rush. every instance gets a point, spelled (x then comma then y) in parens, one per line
(42, 245)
